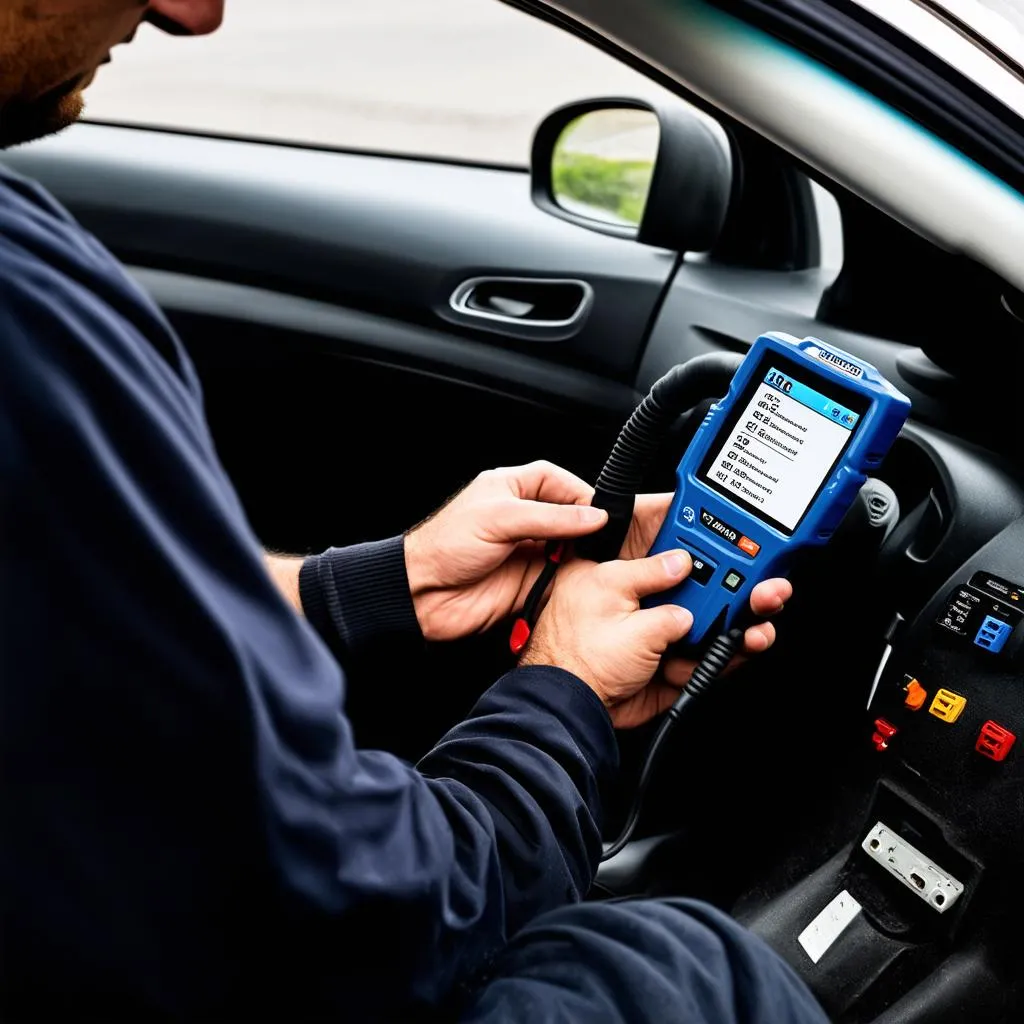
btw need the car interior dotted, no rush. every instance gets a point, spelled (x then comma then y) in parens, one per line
(371, 331)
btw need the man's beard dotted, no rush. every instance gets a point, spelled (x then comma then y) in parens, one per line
(45, 115)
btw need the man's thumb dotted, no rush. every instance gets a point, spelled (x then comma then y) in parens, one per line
(641, 577)
(656, 628)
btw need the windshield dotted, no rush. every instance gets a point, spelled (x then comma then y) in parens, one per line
(982, 39)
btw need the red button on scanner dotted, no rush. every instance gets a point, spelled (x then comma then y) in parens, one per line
(994, 741)
(884, 731)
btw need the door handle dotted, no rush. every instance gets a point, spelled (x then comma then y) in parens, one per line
(530, 304)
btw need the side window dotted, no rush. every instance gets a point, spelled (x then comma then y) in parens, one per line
(461, 79)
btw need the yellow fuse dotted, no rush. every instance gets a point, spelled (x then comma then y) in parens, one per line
(947, 705)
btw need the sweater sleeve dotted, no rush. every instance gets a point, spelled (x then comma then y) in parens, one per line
(431, 869)
(193, 829)
(357, 598)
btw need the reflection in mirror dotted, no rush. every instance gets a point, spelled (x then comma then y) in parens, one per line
(603, 163)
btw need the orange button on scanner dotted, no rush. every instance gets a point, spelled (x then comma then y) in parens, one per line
(750, 546)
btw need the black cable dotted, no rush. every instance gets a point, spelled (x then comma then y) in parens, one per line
(615, 491)
(640, 439)
(554, 550)
(711, 666)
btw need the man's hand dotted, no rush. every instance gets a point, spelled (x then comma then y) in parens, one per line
(472, 563)
(767, 599)
(594, 627)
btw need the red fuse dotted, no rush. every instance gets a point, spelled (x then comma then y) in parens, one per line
(884, 731)
(994, 741)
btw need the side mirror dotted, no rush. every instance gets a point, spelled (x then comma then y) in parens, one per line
(625, 167)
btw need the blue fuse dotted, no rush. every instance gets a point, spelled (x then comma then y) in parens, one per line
(993, 634)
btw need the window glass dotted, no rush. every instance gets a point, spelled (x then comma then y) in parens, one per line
(464, 79)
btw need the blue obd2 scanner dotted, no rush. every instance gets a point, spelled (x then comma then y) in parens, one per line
(772, 470)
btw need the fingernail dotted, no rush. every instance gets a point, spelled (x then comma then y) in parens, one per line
(589, 514)
(675, 564)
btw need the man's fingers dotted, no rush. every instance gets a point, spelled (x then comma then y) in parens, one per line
(513, 520)
(756, 640)
(644, 576)
(544, 481)
(677, 671)
(652, 506)
(768, 597)
(655, 628)
(759, 638)
(649, 511)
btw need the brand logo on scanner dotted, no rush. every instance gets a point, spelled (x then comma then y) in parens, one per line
(840, 363)
(716, 525)
(729, 533)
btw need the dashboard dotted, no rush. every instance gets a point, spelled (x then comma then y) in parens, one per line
(871, 810)
(911, 918)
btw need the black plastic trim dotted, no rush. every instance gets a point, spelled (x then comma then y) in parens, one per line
(772, 223)
(326, 327)
(389, 237)
(314, 147)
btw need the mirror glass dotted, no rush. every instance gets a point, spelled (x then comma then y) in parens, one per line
(603, 163)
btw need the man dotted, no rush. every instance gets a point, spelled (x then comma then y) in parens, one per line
(188, 827)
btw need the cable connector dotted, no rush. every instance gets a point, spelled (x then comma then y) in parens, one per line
(522, 628)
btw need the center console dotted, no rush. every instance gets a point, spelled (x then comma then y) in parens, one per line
(915, 920)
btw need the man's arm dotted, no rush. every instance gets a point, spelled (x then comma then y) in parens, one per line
(191, 824)
(429, 870)
(357, 598)
(461, 571)
(210, 806)
(284, 571)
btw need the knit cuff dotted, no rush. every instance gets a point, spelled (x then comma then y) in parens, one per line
(359, 596)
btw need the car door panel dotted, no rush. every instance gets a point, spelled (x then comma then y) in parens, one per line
(312, 288)
(387, 235)
(374, 422)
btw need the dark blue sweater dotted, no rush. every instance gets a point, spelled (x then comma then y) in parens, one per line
(188, 828)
